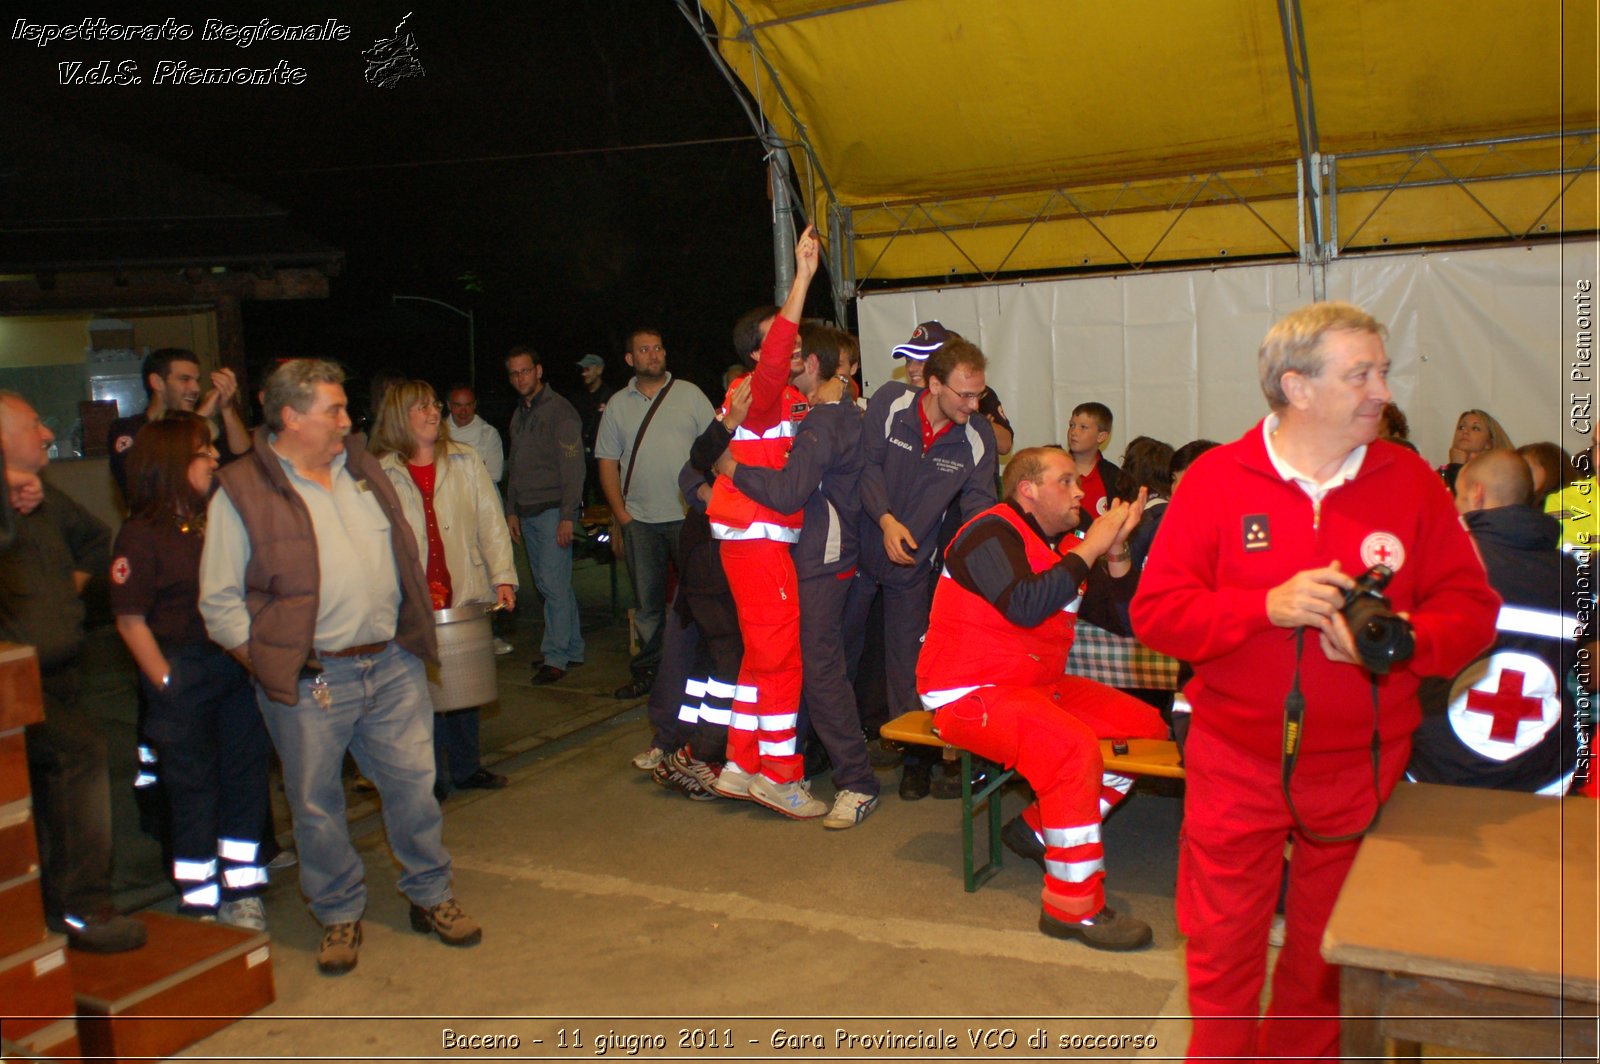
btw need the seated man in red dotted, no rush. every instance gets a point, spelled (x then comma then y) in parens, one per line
(992, 670)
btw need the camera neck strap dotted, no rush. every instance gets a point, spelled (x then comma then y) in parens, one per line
(1294, 715)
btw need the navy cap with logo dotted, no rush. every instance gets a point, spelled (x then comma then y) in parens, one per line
(929, 337)
(591, 360)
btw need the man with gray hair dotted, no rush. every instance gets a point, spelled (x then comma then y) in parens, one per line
(1266, 541)
(53, 548)
(311, 578)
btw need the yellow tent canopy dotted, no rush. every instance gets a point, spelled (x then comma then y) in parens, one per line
(932, 138)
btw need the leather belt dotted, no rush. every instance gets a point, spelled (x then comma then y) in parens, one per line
(362, 651)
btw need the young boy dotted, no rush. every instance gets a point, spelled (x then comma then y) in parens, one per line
(1087, 432)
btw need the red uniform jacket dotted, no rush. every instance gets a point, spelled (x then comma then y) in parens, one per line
(762, 439)
(1236, 529)
(969, 641)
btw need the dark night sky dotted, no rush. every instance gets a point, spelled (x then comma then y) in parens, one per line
(571, 250)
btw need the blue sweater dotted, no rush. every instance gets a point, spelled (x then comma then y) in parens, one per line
(822, 474)
(917, 488)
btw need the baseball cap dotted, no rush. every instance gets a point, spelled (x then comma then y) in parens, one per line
(591, 360)
(928, 338)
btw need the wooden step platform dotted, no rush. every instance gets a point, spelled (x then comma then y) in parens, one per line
(36, 1004)
(57, 1043)
(190, 980)
(35, 988)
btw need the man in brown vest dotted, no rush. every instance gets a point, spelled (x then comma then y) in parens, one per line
(311, 578)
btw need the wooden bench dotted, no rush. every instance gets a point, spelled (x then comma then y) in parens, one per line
(1144, 757)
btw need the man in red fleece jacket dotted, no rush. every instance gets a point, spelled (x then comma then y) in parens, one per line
(1256, 553)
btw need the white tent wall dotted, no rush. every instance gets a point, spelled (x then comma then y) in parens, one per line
(1173, 353)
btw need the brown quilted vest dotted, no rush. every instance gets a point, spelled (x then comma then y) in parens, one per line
(282, 577)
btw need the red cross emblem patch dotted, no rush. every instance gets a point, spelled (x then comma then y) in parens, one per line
(120, 571)
(122, 444)
(1504, 704)
(1382, 548)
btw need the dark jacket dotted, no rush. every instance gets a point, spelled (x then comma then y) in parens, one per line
(544, 458)
(39, 603)
(1510, 719)
(282, 579)
(896, 477)
(823, 475)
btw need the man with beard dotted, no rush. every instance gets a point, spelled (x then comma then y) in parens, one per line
(993, 667)
(172, 382)
(639, 476)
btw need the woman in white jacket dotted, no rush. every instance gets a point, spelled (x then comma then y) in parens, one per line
(455, 511)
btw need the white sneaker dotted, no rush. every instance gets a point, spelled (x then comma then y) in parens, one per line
(647, 761)
(733, 782)
(244, 912)
(501, 647)
(849, 809)
(791, 799)
(285, 859)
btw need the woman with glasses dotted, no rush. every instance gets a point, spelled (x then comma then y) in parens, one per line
(202, 715)
(456, 514)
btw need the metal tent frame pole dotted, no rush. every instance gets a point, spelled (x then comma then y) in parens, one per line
(786, 198)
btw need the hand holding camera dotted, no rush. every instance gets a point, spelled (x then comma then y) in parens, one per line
(1380, 637)
(1358, 625)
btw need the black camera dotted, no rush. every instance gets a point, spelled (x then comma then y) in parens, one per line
(1383, 638)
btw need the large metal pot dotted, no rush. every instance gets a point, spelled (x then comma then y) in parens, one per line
(465, 676)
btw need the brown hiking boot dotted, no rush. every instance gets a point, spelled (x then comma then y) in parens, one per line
(340, 949)
(454, 927)
(1107, 929)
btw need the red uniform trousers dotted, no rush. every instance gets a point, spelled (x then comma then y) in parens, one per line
(1052, 736)
(766, 708)
(1230, 862)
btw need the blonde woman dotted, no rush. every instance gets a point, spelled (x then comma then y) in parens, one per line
(1476, 432)
(455, 513)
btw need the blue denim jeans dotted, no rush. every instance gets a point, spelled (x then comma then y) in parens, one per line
(381, 714)
(552, 575)
(649, 547)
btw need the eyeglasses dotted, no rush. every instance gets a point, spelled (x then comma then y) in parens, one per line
(207, 452)
(435, 405)
(970, 397)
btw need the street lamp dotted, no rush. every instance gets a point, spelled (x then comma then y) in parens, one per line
(472, 332)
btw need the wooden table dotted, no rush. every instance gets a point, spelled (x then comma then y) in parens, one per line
(1468, 921)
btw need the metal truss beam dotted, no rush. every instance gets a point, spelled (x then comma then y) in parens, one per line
(1315, 253)
(1441, 166)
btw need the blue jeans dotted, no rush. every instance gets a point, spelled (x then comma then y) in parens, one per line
(552, 575)
(380, 713)
(649, 547)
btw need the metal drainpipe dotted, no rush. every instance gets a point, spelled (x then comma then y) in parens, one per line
(783, 221)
